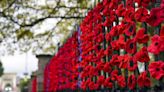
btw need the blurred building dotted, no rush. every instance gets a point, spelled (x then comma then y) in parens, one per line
(8, 83)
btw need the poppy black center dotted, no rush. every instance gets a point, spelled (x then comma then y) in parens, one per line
(131, 45)
(131, 63)
(156, 43)
(131, 80)
(157, 69)
(155, 17)
(131, 29)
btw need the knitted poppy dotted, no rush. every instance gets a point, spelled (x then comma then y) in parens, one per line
(132, 64)
(132, 81)
(142, 55)
(157, 45)
(141, 14)
(129, 14)
(156, 16)
(156, 70)
(143, 3)
(141, 37)
(114, 75)
(131, 46)
(123, 61)
(120, 11)
(114, 60)
(107, 68)
(108, 83)
(143, 80)
(130, 29)
(101, 80)
(114, 31)
(121, 81)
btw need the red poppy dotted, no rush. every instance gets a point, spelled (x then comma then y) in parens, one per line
(132, 82)
(109, 20)
(141, 37)
(162, 4)
(83, 85)
(132, 64)
(121, 27)
(143, 80)
(121, 42)
(123, 61)
(156, 16)
(141, 14)
(114, 31)
(120, 11)
(93, 86)
(113, 4)
(129, 14)
(108, 37)
(156, 70)
(108, 51)
(121, 81)
(108, 83)
(157, 45)
(130, 29)
(93, 72)
(131, 46)
(129, 3)
(114, 75)
(142, 55)
(101, 80)
(100, 65)
(118, 44)
(107, 68)
(114, 60)
(115, 45)
(143, 3)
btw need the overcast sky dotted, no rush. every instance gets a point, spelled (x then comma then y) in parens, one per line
(17, 63)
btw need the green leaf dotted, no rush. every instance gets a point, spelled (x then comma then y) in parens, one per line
(24, 33)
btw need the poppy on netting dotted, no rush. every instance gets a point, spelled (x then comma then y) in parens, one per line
(108, 83)
(132, 64)
(131, 46)
(121, 81)
(132, 81)
(156, 70)
(143, 80)
(157, 45)
(156, 16)
(141, 37)
(141, 14)
(142, 55)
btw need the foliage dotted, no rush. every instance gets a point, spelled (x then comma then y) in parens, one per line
(37, 25)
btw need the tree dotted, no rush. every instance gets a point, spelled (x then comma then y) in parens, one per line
(20, 21)
(1, 69)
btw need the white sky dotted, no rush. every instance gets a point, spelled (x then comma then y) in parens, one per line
(17, 63)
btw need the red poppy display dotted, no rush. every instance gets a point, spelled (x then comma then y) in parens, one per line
(141, 15)
(141, 37)
(143, 80)
(131, 46)
(107, 45)
(121, 81)
(108, 83)
(156, 16)
(132, 64)
(143, 3)
(156, 70)
(142, 55)
(157, 45)
(132, 81)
